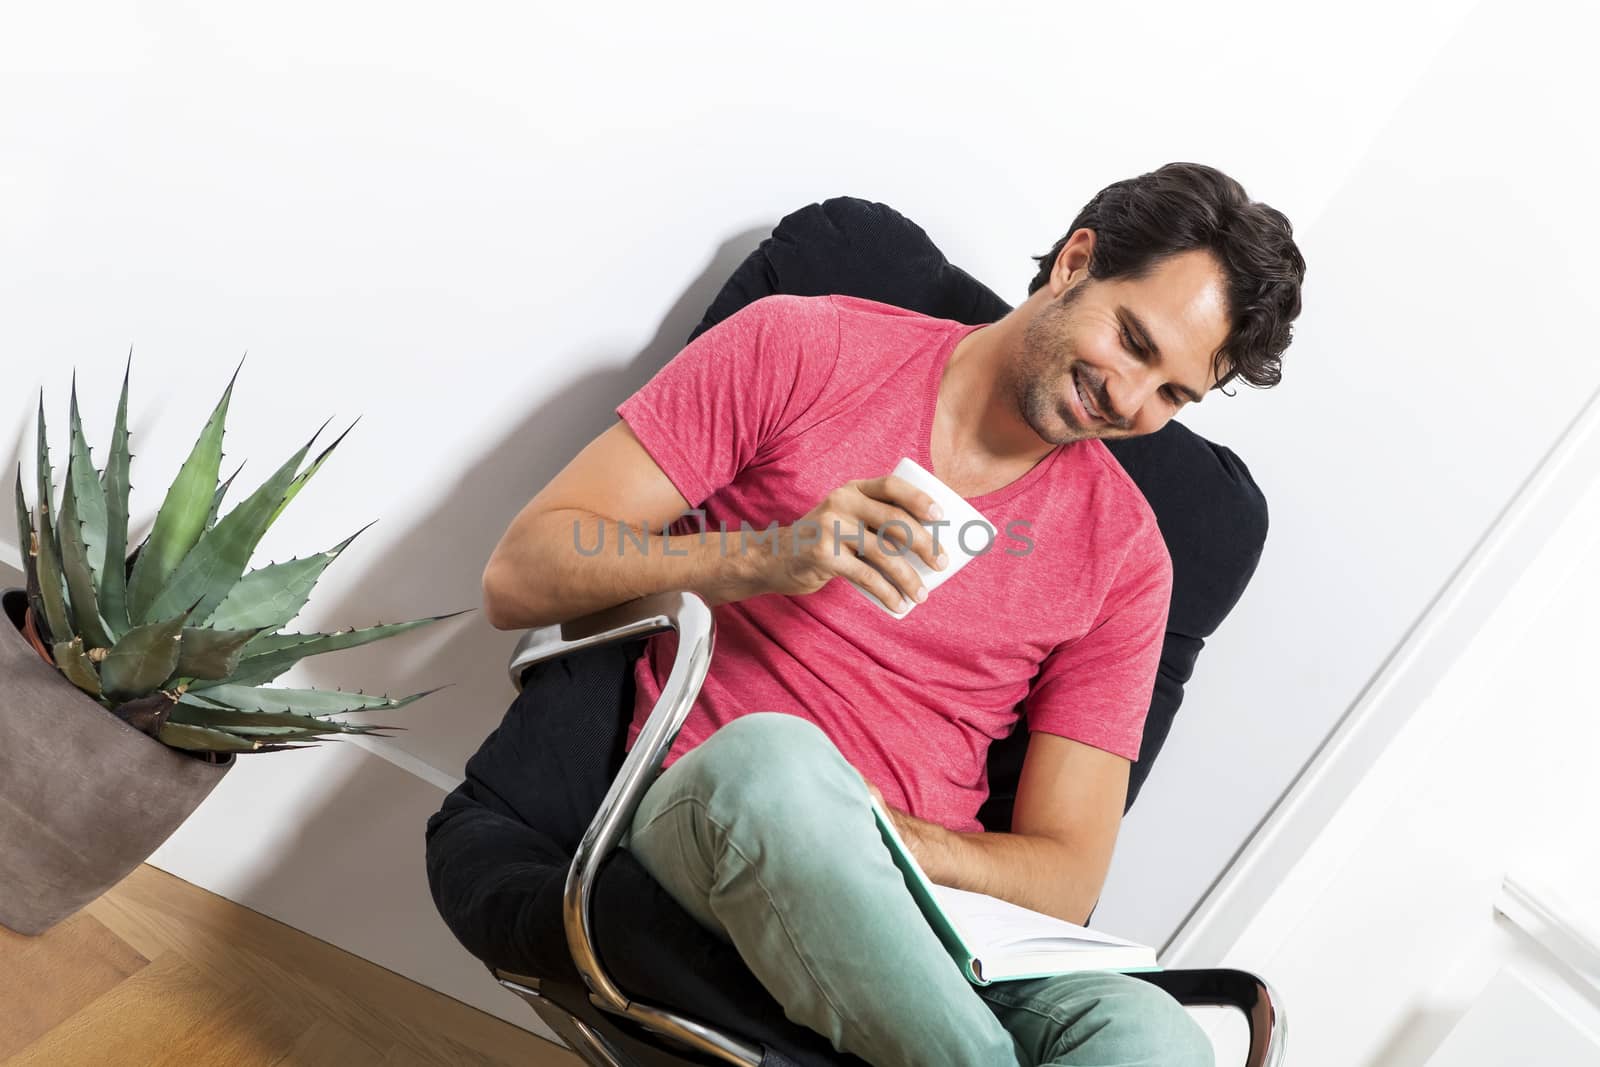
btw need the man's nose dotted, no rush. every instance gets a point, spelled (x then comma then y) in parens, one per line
(1128, 392)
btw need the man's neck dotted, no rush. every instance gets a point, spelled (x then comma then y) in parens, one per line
(980, 441)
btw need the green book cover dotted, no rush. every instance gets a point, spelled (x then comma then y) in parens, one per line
(965, 955)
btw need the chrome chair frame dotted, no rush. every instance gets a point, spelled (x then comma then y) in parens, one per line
(691, 618)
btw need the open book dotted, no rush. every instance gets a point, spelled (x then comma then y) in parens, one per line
(993, 940)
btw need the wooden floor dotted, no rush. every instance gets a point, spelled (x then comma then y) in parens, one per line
(160, 972)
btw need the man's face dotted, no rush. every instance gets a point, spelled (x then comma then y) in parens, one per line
(1118, 358)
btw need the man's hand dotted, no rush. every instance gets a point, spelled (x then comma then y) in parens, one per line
(919, 835)
(1054, 860)
(845, 536)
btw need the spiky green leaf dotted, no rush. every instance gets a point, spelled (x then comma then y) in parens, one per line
(24, 523)
(47, 495)
(265, 643)
(215, 564)
(304, 477)
(257, 669)
(181, 520)
(113, 596)
(143, 658)
(205, 652)
(35, 601)
(30, 567)
(201, 739)
(30, 562)
(237, 721)
(290, 733)
(76, 565)
(52, 587)
(305, 701)
(74, 663)
(268, 597)
(216, 498)
(89, 495)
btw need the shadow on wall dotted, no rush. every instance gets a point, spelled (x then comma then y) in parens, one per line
(336, 872)
(1417, 1036)
(437, 566)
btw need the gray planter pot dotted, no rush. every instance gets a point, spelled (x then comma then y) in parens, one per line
(84, 797)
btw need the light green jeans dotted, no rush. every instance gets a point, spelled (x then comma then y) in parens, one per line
(765, 834)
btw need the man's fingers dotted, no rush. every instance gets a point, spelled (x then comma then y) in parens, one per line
(901, 537)
(871, 579)
(893, 525)
(895, 566)
(892, 489)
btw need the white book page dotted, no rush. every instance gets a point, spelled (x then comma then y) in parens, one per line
(989, 923)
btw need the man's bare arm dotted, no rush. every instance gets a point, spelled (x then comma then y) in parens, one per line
(538, 575)
(1064, 828)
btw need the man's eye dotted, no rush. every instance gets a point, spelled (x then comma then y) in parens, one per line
(1127, 339)
(1172, 396)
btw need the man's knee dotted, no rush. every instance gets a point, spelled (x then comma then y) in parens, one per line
(1148, 1026)
(770, 763)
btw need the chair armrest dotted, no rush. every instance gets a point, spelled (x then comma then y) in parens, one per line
(1226, 987)
(627, 621)
(688, 614)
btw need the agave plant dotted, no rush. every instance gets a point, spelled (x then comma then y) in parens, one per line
(178, 638)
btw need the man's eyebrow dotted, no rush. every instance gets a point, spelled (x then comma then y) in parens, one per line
(1136, 326)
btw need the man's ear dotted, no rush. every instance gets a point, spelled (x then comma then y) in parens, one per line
(1072, 262)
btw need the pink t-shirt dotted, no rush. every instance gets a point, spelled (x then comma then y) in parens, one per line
(790, 397)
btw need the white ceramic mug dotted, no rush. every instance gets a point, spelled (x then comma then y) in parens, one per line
(958, 515)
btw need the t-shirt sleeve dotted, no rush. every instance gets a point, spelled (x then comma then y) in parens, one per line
(1097, 689)
(707, 414)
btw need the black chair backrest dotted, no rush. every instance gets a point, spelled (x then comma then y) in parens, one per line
(1212, 515)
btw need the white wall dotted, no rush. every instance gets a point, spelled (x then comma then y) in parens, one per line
(1442, 350)
(479, 227)
(1385, 939)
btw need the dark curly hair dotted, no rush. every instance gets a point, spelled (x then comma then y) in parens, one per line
(1182, 207)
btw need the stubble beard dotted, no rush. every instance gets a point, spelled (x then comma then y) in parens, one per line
(1043, 372)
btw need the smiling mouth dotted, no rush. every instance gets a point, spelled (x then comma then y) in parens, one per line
(1084, 400)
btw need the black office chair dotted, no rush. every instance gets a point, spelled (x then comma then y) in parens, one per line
(576, 926)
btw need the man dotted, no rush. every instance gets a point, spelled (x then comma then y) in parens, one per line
(780, 425)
